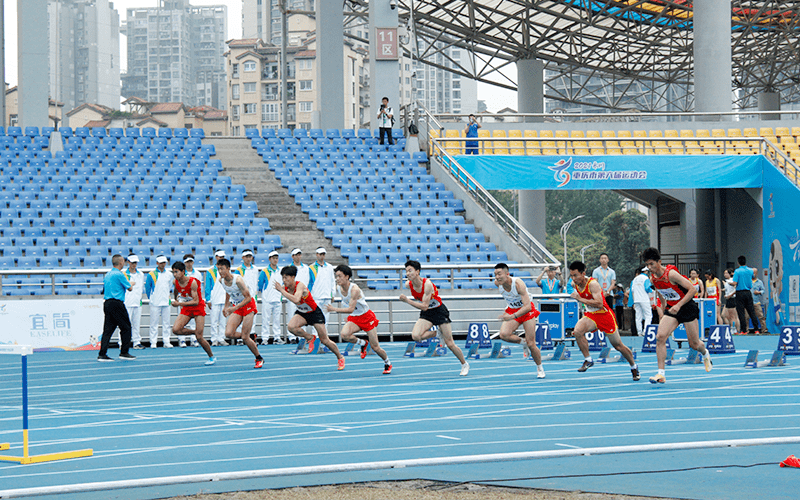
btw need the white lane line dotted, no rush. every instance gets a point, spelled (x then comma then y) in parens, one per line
(448, 437)
(566, 445)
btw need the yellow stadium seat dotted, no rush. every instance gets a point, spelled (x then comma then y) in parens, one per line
(500, 147)
(562, 145)
(530, 133)
(546, 133)
(531, 147)
(717, 132)
(782, 131)
(597, 151)
(750, 132)
(639, 134)
(613, 151)
(671, 133)
(452, 133)
(786, 139)
(655, 133)
(609, 134)
(630, 151)
(766, 132)
(486, 146)
(796, 131)
(702, 133)
(662, 151)
(591, 134)
(624, 133)
(453, 147)
(577, 134)
(515, 133)
(734, 132)
(581, 152)
(517, 147)
(562, 134)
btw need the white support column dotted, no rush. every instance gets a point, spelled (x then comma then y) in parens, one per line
(34, 63)
(330, 65)
(532, 212)
(530, 87)
(712, 55)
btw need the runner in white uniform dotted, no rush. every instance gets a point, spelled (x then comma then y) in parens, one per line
(240, 307)
(520, 311)
(360, 318)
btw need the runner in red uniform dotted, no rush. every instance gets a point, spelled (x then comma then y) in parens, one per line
(189, 297)
(597, 316)
(432, 311)
(520, 311)
(307, 313)
(678, 293)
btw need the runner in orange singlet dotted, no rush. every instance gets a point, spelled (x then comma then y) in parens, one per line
(597, 316)
(189, 297)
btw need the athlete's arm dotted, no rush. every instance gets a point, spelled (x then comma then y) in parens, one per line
(522, 290)
(244, 289)
(355, 294)
(597, 296)
(677, 278)
(426, 297)
(295, 298)
(702, 291)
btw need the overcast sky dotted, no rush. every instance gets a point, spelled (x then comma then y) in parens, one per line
(496, 98)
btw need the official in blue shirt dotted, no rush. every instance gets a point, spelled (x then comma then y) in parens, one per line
(115, 284)
(743, 278)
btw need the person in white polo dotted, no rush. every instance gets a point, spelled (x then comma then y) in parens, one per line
(270, 301)
(304, 277)
(323, 282)
(215, 298)
(133, 300)
(158, 284)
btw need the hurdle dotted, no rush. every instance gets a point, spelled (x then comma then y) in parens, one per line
(778, 359)
(560, 353)
(692, 358)
(605, 356)
(27, 458)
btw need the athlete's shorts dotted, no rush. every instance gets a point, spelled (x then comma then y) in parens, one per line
(716, 299)
(687, 313)
(246, 309)
(314, 317)
(437, 316)
(532, 314)
(731, 302)
(366, 321)
(194, 311)
(605, 321)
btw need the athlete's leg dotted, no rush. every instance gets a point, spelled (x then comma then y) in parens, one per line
(666, 326)
(199, 326)
(322, 333)
(693, 335)
(530, 339)
(447, 335)
(348, 331)
(373, 342)
(296, 325)
(422, 330)
(583, 326)
(508, 332)
(180, 324)
(616, 342)
(247, 327)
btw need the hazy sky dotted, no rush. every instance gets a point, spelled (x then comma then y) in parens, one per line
(495, 98)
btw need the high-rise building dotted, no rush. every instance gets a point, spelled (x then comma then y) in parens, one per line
(175, 53)
(442, 91)
(84, 52)
(262, 18)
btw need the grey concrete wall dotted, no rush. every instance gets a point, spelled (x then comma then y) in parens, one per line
(330, 65)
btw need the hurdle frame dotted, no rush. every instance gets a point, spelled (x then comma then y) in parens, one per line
(27, 458)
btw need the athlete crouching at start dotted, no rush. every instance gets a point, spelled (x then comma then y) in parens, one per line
(240, 308)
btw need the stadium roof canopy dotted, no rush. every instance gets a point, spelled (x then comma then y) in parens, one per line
(639, 51)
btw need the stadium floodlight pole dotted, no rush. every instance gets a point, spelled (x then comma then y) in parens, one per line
(586, 248)
(563, 233)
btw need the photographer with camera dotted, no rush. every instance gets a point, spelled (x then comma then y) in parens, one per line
(385, 121)
(471, 130)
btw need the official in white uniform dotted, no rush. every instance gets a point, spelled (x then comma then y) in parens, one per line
(133, 300)
(158, 285)
(323, 282)
(270, 301)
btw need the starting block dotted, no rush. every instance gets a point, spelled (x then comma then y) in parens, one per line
(473, 351)
(498, 351)
(560, 353)
(778, 359)
(352, 350)
(692, 358)
(410, 350)
(605, 356)
(302, 343)
(434, 351)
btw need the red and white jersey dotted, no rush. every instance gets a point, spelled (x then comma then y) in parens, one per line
(585, 293)
(307, 303)
(185, 292)
(435, 302)
(671, 292)
(361, 303)
(513, 298)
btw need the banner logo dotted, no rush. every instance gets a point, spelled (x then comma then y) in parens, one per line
(591, 171)
(560, 173)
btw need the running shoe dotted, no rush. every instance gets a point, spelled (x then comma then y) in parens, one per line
(167, 344)
(259, 363)
(127, 356)
(181, 344)
(341, 364)
(586, 365)
(658, 379)
(791, 461)
(464, 370)
(138, 346)
(278, 341)
(223, 342)
(104, 358)
(195, 343)
(635, 373)
(526, 351)
(707, 361)
(540, 372)
(311, 344)
(387, 369)
(211, 360)
(364, 350)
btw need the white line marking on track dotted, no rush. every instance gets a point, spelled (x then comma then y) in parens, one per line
(448, 437)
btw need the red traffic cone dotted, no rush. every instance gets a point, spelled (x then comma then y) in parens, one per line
(791, 461)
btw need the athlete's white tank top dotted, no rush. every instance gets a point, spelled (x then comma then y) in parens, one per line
(236, 295)
(513, 298)
(361, 304)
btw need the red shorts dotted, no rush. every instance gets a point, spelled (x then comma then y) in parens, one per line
(716, 299)
(194, 311)
(606, 321)
(246, 309)
(366, 321)
(533, 313)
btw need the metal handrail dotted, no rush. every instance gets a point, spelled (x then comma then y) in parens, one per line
(627, 116)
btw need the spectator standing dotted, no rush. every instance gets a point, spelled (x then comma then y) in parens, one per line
(640, 299)
(133, 300)
(760, 300)
(470, 131)
(215, 296)
(115, 283)
(713, 290)
(158, 285)
(606, 277)
(324, 282)
(551, 284)
(270, 301)
(385, 122)
(743, 279)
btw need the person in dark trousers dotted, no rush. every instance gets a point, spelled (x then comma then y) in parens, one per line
(743, 279)
(115, 284)
(385, 121)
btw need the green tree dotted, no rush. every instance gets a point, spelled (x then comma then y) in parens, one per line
(627, 234)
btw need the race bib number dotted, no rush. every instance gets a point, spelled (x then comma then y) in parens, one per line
(669, 294)
(183, 298)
